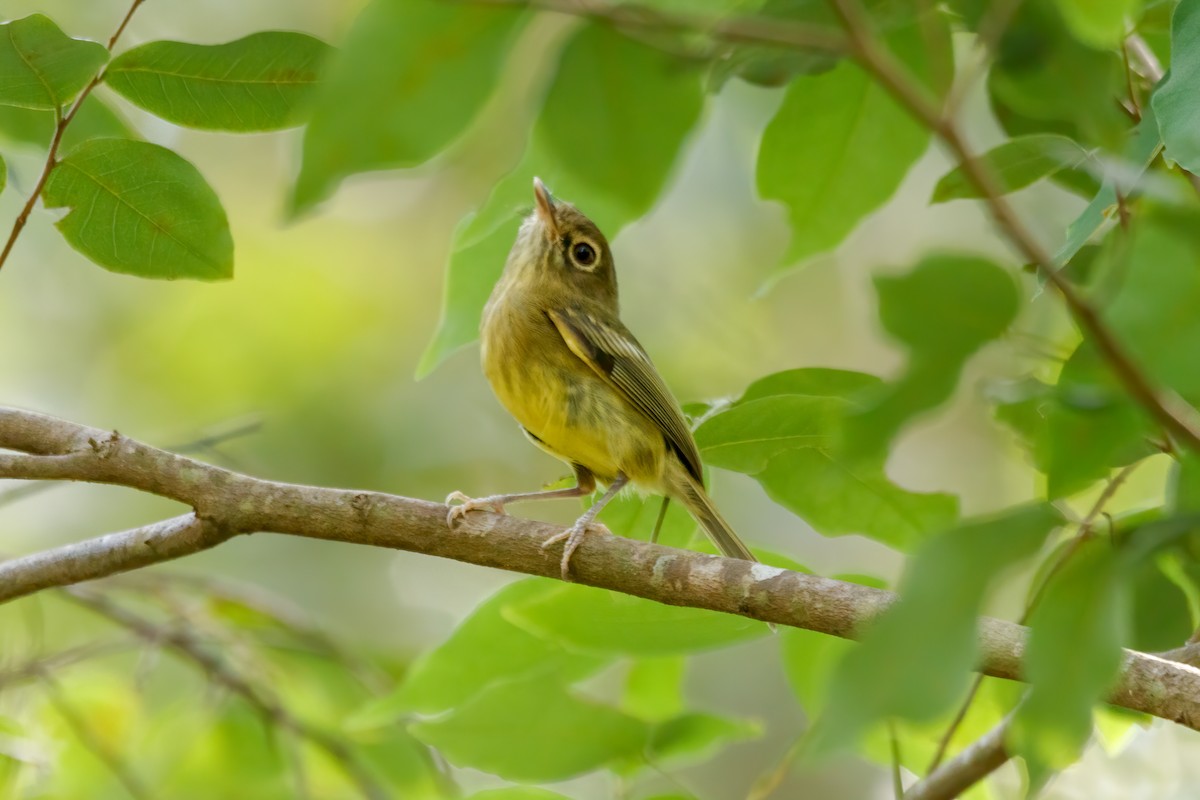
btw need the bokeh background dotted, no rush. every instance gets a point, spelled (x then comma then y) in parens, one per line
(315, 343)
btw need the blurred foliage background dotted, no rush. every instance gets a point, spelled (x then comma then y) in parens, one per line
(309, 356)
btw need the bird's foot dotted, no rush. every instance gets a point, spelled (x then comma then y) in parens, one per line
(573, 536)
(469, 504)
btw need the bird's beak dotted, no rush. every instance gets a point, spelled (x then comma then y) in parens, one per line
(545, 208)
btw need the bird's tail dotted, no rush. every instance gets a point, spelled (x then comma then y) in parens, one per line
(692, 495)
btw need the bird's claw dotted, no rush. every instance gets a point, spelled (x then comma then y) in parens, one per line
(573, 537)
(468, 504)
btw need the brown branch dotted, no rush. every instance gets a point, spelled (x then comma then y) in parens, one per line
(229, 503)
(1171, 411)
(60, 127)
(981, 758)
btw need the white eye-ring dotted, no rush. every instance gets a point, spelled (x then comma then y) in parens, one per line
(584, 254)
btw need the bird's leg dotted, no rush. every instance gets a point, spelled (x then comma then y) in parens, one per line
(574, 534)
(585, 483)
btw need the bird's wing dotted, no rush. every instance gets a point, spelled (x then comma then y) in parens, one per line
(612, 352)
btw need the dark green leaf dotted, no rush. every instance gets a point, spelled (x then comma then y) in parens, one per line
(915, 660)
(533, 729)
(1072, 659)
(139, 208)
(1175, 99)
(42, 67)
(790, 443)
(608, 623)
(838, 148)
(257, 83)
(1161, 615)
(378, 112)
(1015, 164)
(1044, 80)
(453, 672)
(626, 166)
(94, 120)
(943, 311)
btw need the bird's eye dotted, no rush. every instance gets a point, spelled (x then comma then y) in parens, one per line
(583, 254)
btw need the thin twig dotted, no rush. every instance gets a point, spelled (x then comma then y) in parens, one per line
(220, 672)
(60, 127)
(49, 664)
(1171, 411)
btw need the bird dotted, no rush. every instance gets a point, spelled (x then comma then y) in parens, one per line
(582, 388)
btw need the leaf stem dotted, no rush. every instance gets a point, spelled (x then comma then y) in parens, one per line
(60, 127)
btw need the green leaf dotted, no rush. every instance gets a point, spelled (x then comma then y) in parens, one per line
(626, 166)
(141, 209)
(560, 735)
(1100, 23)
(3, 174)
(373, 112)
(1014, 164)
(453, 672)
(1174, 101)
(654, 688)
(257, 83)
(915, 660)
(598, 621)
(695, 736)
(1044, 80)
(42, 67)
(1072, 659)
(839, 146)
(518, 793)
(943, 311)
(94, 120)
(1141, 149)
(791, 444)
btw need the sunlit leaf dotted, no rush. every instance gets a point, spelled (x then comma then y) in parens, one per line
(831, 169)
(915, 660)
(139, 208)
(654, 688)
(1014, 164)
(695, 736)
(1100, 23)
(609, 623)
(518, 793)
(374, 112)
(42, 67)
(1072, 659)
(625, 167)
(942, 311)
(257, 83)
(533, 729)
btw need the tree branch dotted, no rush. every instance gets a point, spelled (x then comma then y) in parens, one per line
(227, 503)
(978, 760)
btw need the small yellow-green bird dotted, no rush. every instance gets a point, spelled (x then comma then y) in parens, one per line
(578, 382)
